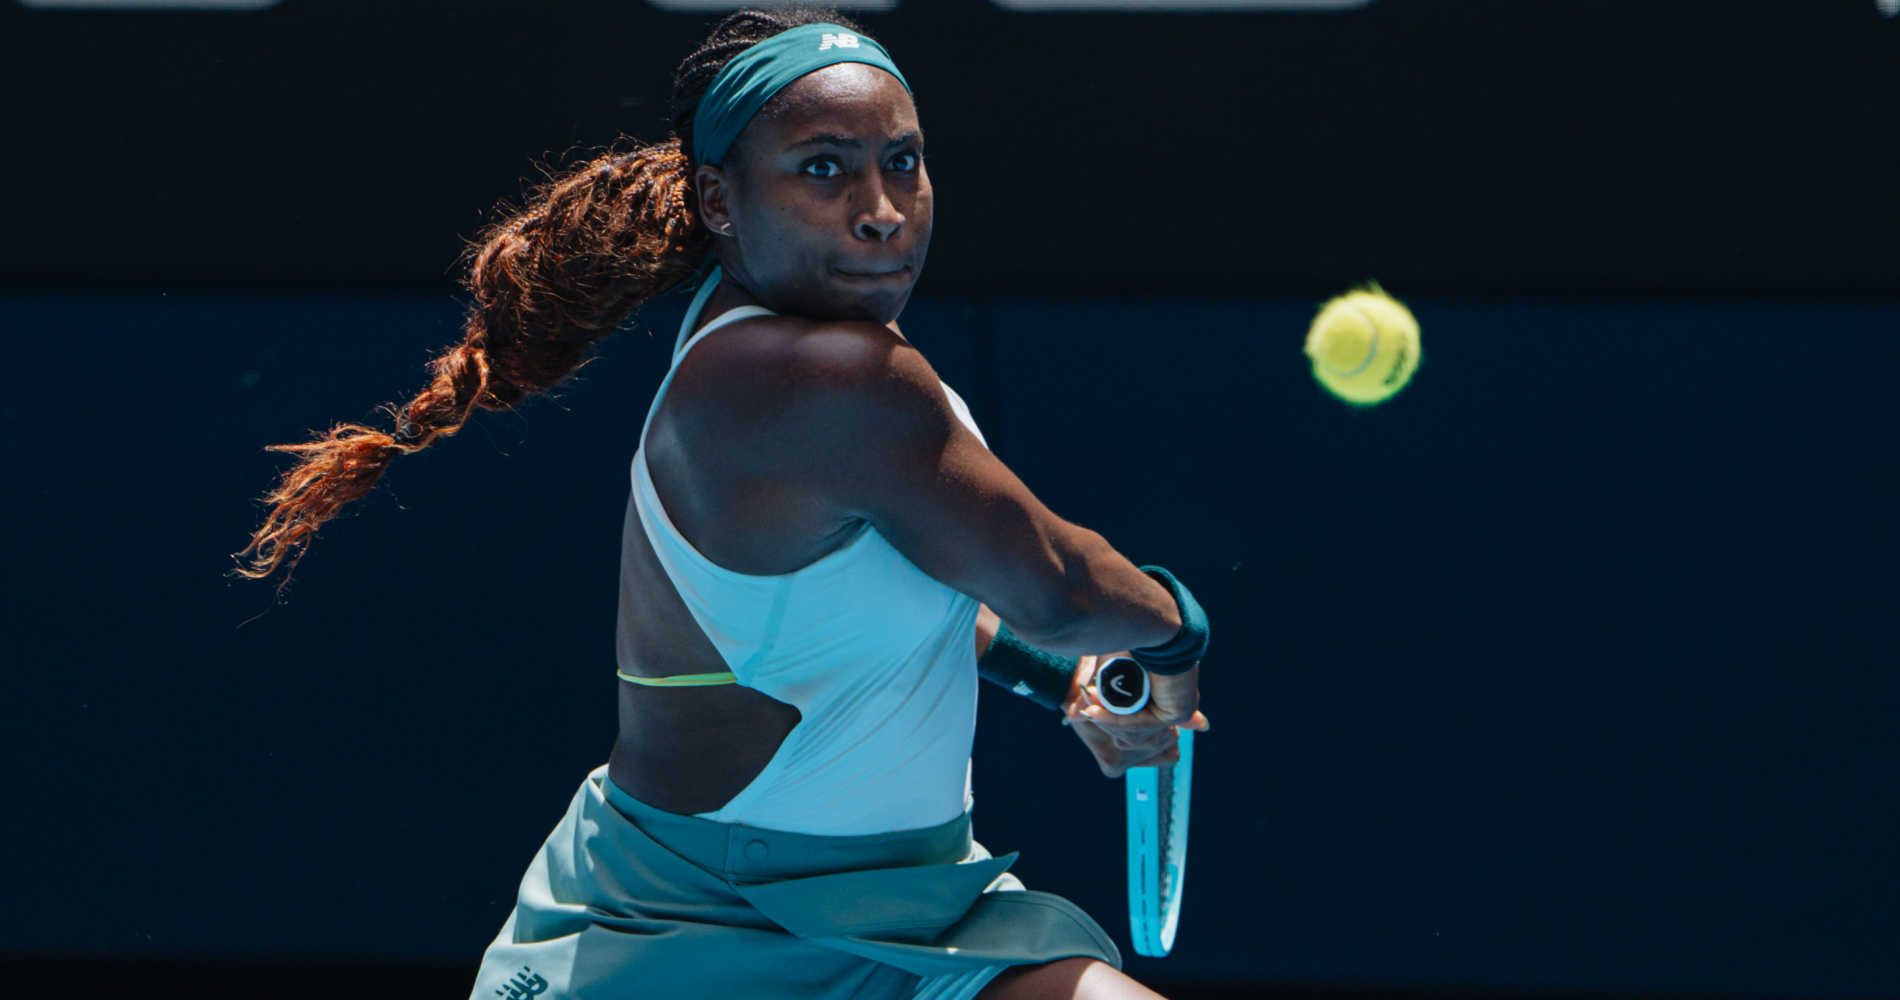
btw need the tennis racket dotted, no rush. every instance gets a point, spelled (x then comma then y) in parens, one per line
(1157, 818)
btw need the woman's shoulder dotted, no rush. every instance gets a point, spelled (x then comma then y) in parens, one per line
(771, 389)
(766, 360)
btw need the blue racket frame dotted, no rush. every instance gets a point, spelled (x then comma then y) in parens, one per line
(1154, 881)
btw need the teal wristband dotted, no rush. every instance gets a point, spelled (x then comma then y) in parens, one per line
(1037, 674)
(1179, 654)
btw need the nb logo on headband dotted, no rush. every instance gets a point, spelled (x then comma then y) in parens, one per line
(838, 41)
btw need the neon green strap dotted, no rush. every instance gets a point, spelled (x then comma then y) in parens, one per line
(680, 680)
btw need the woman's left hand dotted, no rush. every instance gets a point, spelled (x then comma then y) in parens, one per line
(1120, 747)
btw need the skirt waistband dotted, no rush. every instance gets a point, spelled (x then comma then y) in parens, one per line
(751, 852)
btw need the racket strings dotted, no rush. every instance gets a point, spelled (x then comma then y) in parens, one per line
(1164, 829)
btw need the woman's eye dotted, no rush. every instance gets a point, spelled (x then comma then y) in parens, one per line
(823, 161)
(915, 160)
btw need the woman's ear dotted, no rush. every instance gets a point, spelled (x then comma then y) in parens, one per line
(715, 191)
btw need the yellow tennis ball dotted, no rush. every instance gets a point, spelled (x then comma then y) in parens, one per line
(1364, 345)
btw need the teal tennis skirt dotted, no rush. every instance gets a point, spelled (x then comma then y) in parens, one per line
(625, 900)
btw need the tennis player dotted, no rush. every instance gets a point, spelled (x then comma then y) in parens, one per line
(819, 557)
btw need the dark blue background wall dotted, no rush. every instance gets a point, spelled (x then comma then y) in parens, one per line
(1572, 666)
(1443, 146)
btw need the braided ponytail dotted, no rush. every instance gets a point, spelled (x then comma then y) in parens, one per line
(547, 282)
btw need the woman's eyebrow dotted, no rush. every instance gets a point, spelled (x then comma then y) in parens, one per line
(827, 139)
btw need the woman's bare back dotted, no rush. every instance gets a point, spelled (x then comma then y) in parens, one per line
(691, 749)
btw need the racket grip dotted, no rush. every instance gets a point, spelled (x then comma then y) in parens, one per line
(1123, 685)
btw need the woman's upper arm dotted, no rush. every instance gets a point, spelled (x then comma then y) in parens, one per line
(867, 428)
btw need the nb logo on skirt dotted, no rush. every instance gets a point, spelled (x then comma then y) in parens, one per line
(523, 985)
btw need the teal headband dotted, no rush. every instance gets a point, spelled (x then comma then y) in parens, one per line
(753, 76)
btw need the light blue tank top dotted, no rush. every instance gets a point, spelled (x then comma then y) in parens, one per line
(878, 657)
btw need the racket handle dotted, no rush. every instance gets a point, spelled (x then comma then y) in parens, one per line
(1123, 685)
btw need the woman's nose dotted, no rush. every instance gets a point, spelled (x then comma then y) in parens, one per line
(880, 231)
(884, 220)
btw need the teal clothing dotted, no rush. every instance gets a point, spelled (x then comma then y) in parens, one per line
(847, 868)
(626, 900)
(878, 656)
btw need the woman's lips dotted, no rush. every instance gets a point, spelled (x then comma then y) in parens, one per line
(889, 275)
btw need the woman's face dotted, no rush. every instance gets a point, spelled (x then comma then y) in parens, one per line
(825, 185)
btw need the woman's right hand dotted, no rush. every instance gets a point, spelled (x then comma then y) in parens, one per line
(1145, 738)
(1176, 698)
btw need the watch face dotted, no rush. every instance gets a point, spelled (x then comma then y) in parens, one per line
(1123, 684)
